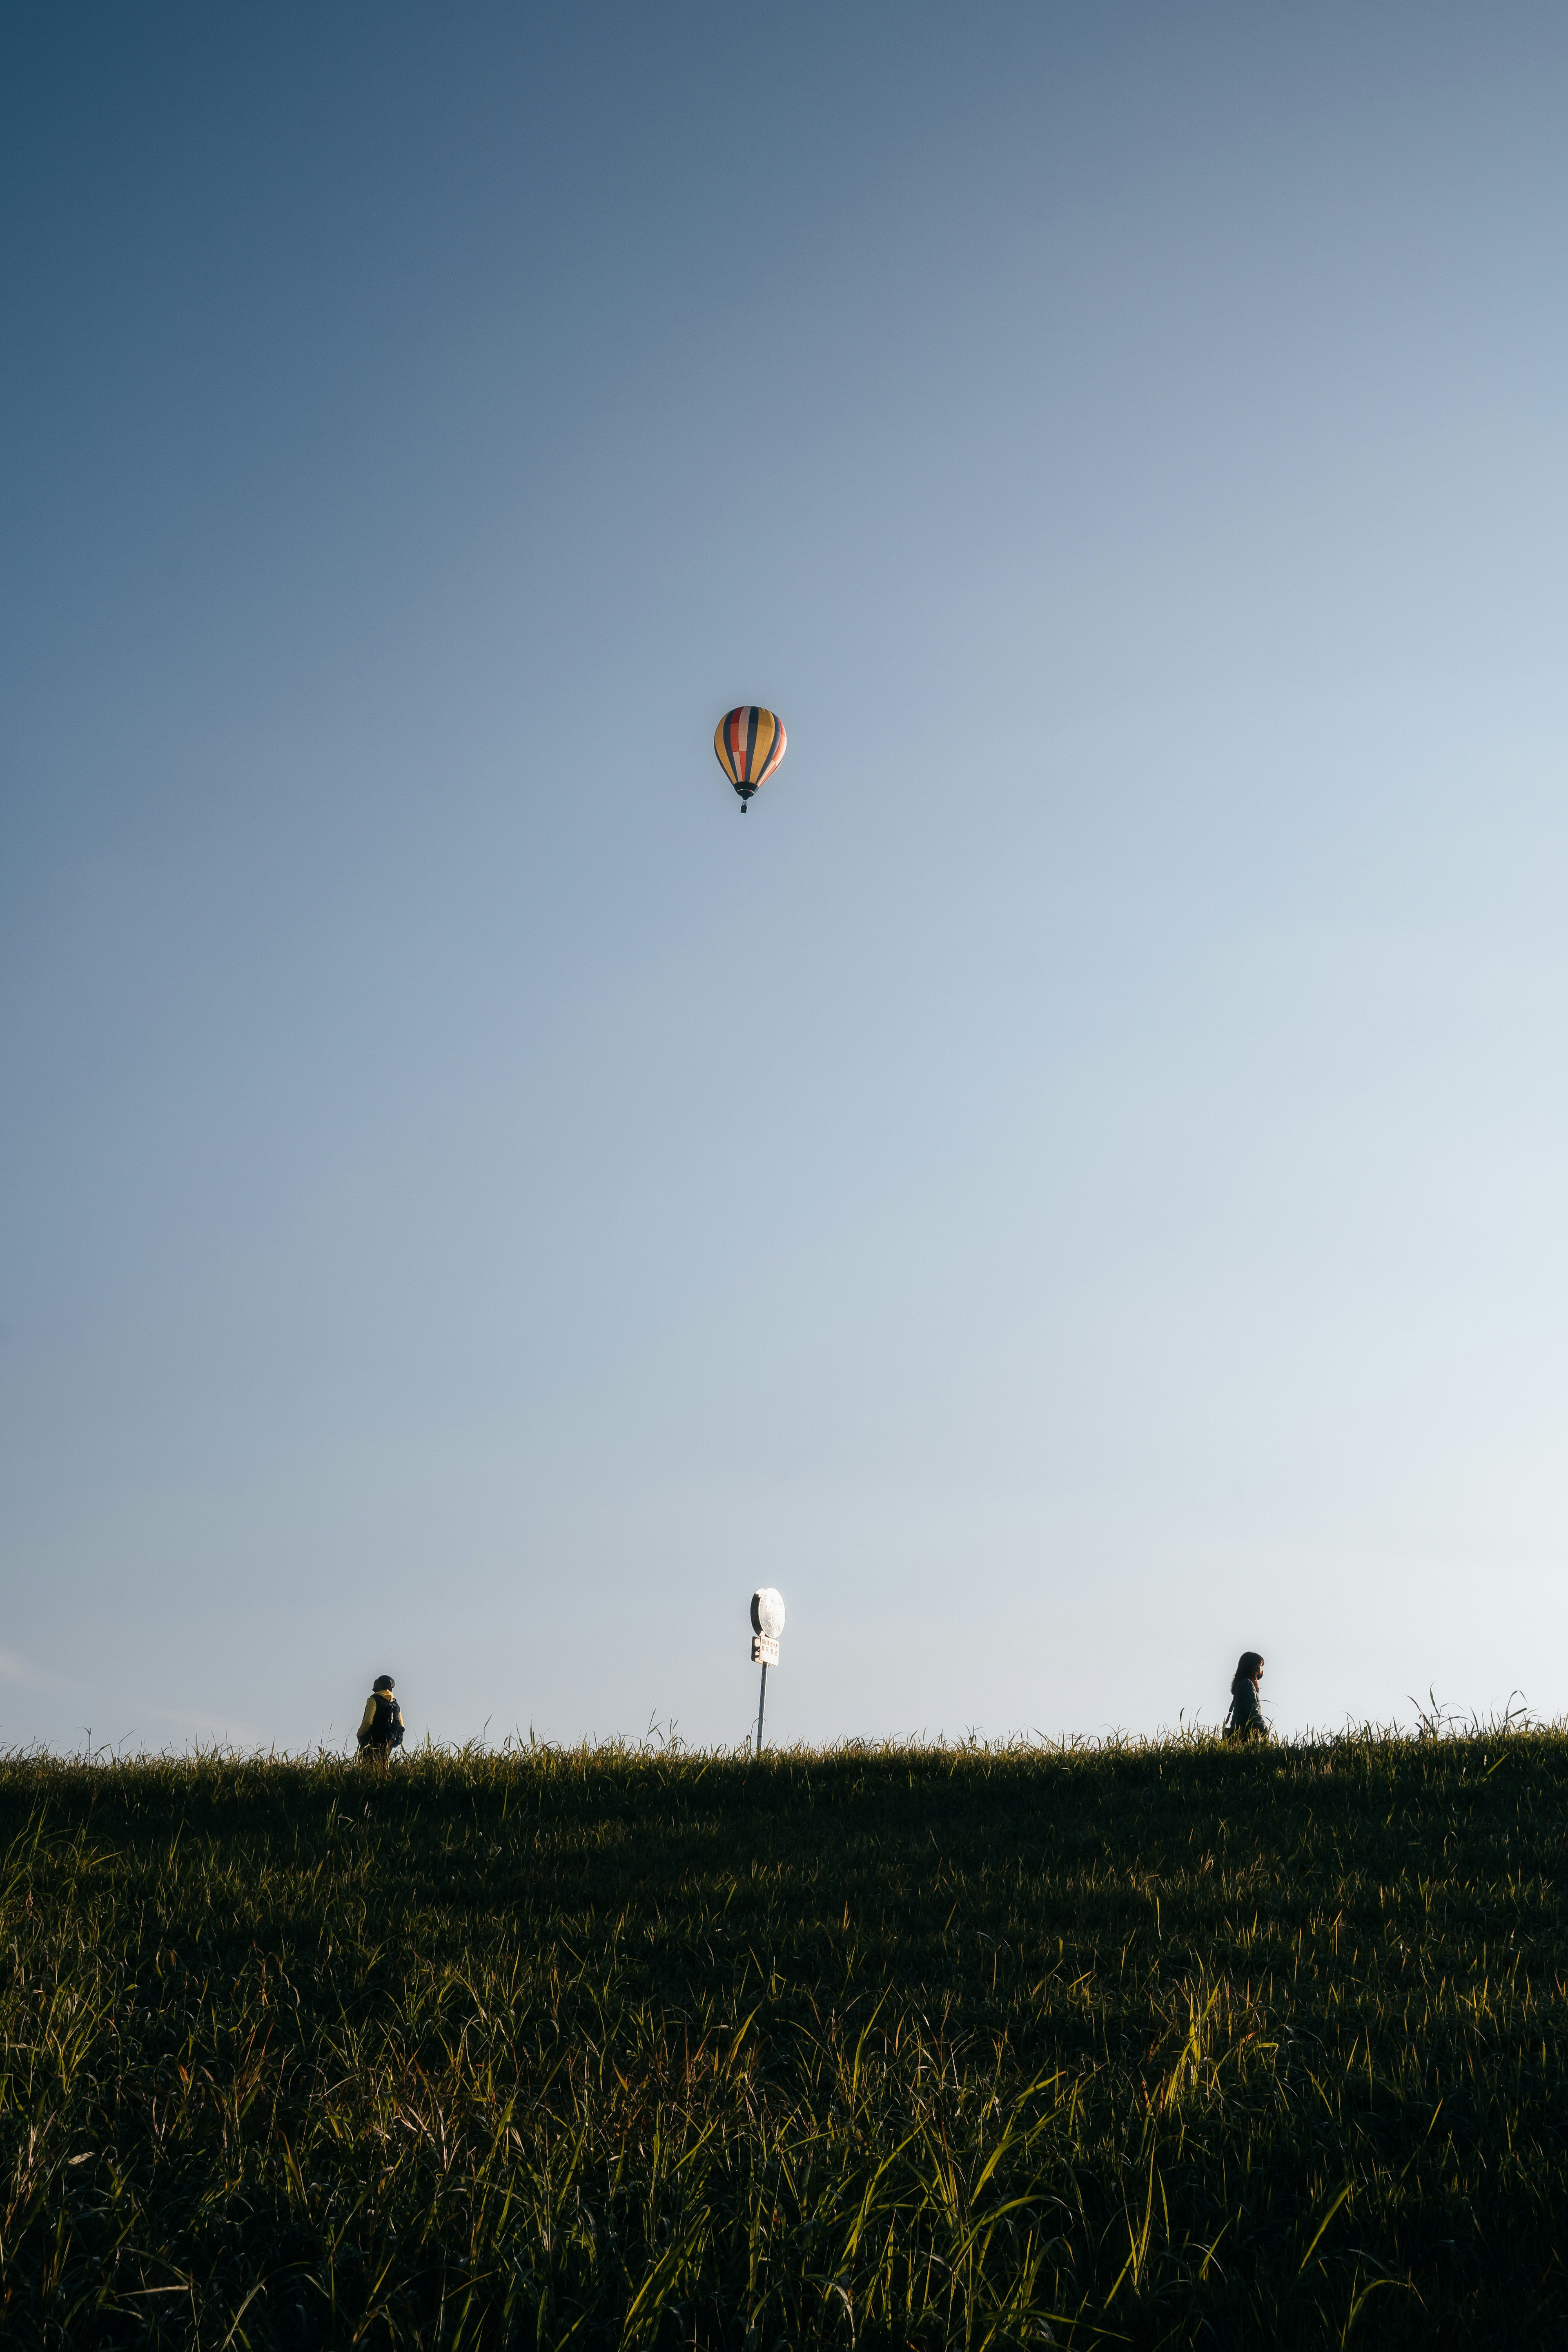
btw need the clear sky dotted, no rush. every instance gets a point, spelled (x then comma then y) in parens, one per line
(1073, 1184)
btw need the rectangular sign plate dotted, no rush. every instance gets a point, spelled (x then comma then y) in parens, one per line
(763, 1652)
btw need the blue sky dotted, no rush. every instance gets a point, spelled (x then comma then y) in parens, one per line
(1072, 1186)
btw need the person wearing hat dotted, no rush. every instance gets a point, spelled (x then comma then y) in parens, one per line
(380, 1726)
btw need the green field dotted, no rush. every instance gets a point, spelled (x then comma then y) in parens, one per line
(1164, 2043)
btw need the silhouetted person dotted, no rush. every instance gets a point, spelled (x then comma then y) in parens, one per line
(1245, 1720)
(380, 1726)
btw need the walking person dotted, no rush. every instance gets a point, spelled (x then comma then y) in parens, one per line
(380, 1726)
(1245, 1720)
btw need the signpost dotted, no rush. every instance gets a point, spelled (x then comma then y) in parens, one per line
(767, 1624)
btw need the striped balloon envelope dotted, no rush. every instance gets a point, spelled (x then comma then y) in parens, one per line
(749, 743)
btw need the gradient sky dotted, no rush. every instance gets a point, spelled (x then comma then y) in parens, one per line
(1074, 1184)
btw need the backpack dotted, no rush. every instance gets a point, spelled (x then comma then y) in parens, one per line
(386, 1730)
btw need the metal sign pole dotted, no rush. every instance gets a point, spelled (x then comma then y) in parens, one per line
(767, 1624)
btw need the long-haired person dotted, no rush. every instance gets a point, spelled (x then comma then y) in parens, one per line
(1245, 1720)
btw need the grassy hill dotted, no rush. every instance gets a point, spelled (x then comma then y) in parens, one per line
(1159, 2045)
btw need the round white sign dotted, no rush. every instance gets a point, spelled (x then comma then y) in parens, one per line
(767, 1612)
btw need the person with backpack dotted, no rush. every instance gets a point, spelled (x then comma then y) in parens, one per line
(1245, 1720)
(380, 1726)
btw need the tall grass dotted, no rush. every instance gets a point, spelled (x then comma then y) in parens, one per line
(1170, 2043)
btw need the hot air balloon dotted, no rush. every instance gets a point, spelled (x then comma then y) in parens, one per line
(749, 743)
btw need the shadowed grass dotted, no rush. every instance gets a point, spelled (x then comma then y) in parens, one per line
(1145, 2043)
